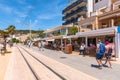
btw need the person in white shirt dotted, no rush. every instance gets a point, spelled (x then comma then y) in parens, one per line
(82, 49)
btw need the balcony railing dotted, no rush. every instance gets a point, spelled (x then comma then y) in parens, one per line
(84, 8)
(71, 21)
(73, 5)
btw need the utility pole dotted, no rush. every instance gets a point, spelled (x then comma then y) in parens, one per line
(30, 25)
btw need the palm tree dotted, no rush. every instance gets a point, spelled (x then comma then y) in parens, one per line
(5, 33)
(11, 29)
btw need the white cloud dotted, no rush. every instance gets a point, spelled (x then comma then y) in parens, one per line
(51, 12)
(30, 7)
(17, 21)
(22, 1)
(20, 14)
(48, 16)
(6, 8)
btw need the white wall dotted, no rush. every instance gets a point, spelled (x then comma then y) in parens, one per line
(90, 7)
(117, 43)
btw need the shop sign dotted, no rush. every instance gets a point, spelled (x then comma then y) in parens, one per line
(118, 29)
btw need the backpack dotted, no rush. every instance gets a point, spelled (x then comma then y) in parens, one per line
(102, 48)
(110, 50)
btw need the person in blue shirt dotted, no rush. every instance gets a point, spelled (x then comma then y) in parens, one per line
(100, 53)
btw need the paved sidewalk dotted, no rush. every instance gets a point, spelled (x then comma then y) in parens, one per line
(17, 68)
(4, 60)
(83, 64)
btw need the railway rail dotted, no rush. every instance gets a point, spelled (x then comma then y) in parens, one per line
(23, 51)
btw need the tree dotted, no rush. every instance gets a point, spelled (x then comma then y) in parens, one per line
(41, 33)
(11, 29)
(14, 40)
(73, 30)
(5, 33)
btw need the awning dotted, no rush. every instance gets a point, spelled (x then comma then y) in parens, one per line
(71, 36)
(99, 32)
(57, 37)
(50, 40)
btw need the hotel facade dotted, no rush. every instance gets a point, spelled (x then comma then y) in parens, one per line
(102, 24)
(96, 19)
(75, 10)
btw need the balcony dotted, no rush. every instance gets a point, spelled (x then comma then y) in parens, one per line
(116, 5)
(71, 21)
(73, 5)
(84, 8)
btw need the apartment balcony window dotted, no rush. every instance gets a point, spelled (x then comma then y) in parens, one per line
(104, 25)
(84, 8)
(73, 20)
(89, 26)
(73, 5)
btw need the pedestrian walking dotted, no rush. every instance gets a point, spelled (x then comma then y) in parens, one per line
(100, 53)
(108, 54)
(42, 45)
(54, 46)
(29, 43)
(39, 45)
(10, 43)
(82, 49)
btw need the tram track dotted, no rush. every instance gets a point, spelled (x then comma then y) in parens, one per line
(31, 69)
(35, 58)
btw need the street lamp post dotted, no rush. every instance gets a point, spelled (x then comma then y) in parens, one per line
(30, 26)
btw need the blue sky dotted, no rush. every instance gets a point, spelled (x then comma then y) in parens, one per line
(44, 14)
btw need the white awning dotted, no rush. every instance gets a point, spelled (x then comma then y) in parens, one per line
(50, 40)
(99, 32)
(71, 36)
(57, 37)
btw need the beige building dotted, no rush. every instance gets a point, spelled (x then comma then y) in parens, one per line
(105, 14)
(102, 24)
(23, 37)
(59, 30)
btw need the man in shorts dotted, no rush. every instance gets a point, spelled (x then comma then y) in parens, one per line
(100, 53)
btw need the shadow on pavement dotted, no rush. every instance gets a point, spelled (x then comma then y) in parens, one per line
(63, 57)
(94, 65)
(97, 66)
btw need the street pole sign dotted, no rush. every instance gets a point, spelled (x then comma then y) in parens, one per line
(118, 29)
